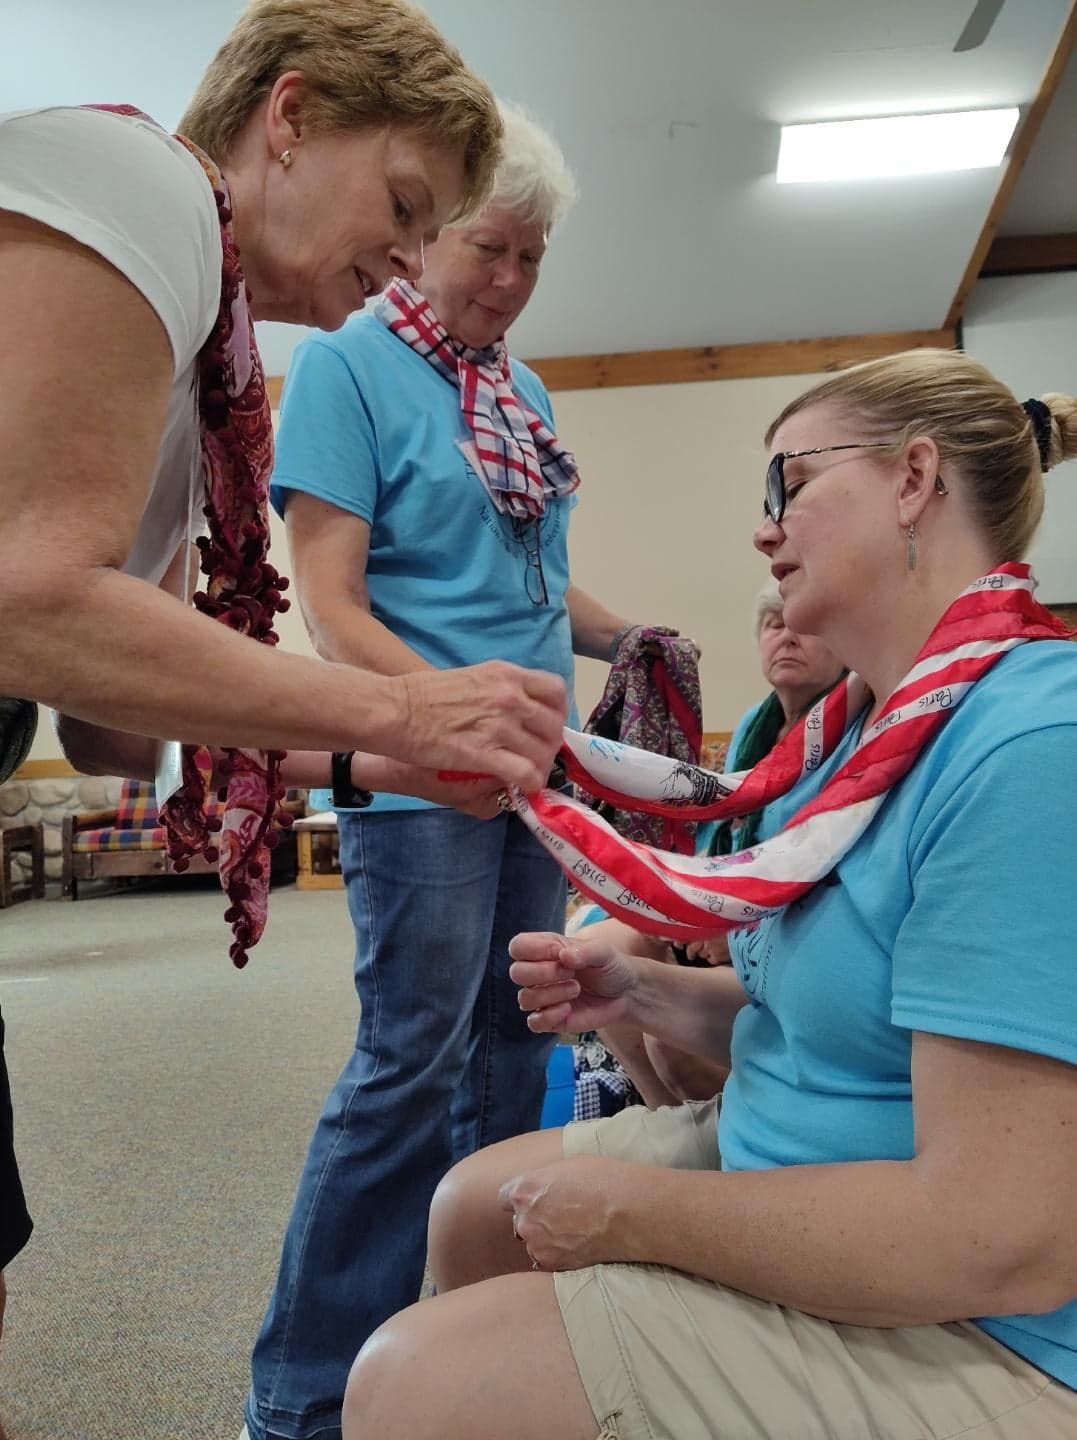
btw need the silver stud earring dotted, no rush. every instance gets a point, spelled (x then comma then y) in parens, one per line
(910, 548)
(285, 158)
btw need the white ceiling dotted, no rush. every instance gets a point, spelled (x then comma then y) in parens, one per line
(669, 114)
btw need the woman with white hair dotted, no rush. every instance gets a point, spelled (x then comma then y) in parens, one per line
(427, 500)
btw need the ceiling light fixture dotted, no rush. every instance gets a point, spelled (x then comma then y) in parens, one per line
(895, 145)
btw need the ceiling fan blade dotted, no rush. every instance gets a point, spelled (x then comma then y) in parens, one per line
(979, 25)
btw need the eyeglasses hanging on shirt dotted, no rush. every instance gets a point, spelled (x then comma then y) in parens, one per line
(529, 534)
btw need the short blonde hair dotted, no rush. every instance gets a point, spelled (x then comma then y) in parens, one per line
(980, 428)
(366, 63)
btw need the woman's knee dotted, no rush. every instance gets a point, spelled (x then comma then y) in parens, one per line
(462, 1366)
(373, 1397)
(470, 1235)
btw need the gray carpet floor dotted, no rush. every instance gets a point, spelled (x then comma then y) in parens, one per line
(163, 1105)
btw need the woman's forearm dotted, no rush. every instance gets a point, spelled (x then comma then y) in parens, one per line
(594, 628)
(104, 644)
(311, 769)
(687, 1008)
(347, 633)
(869, 1243)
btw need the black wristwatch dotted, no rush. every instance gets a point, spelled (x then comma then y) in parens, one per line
(347, 796)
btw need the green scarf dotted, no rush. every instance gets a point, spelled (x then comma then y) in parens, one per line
(759, 739)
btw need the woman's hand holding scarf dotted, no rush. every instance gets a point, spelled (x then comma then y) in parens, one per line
(495, 718)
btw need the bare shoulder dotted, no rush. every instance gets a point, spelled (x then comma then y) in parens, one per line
(83, 396)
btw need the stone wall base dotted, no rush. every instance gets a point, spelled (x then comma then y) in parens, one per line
(25, 802)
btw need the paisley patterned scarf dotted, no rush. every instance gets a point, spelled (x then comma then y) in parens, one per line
(651, 701)
(243, 590)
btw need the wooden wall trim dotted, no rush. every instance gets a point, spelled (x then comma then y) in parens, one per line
(716, 362)
(1027, 130)
(1028, 254)
(728, 362)
(45, 770)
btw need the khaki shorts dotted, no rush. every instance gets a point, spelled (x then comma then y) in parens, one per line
(664, 1356)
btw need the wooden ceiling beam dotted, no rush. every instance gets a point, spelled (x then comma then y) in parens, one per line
(1027, 130)
(1027, 254)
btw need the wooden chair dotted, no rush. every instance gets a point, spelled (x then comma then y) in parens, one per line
(129, 841)
(25, 838)
(121, 843)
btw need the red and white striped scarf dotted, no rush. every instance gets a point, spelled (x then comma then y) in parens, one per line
(521, 459)
(688, 898)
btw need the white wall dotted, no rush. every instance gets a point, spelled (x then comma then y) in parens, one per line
(1024, 328)
(672, 488)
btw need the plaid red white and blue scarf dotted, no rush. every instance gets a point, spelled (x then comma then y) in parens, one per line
(522, 462)
(689, 898)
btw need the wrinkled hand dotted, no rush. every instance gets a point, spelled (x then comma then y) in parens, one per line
(715, 950)
(493, 718)
(572, 984)
(570, 1214)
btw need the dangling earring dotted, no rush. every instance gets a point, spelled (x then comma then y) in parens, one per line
(285, 158)
(910, 549)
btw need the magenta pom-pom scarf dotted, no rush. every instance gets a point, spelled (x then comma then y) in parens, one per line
(243, 590)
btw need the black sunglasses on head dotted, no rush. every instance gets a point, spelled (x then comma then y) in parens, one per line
(776, 499)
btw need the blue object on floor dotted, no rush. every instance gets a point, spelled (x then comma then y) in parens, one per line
(560, 1088)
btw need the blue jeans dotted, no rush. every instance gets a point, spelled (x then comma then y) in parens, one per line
(443, 1064)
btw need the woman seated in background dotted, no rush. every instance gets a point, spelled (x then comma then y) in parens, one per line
(800, 670)
(877, 1238)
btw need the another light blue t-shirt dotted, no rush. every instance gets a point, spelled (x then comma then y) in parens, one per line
(371, 427)
(954, 914)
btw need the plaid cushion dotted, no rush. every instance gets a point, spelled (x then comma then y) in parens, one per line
(137, 825)
(136, 808)
(111, 837)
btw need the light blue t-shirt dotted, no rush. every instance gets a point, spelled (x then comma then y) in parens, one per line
(954, 914)
(371, 427)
